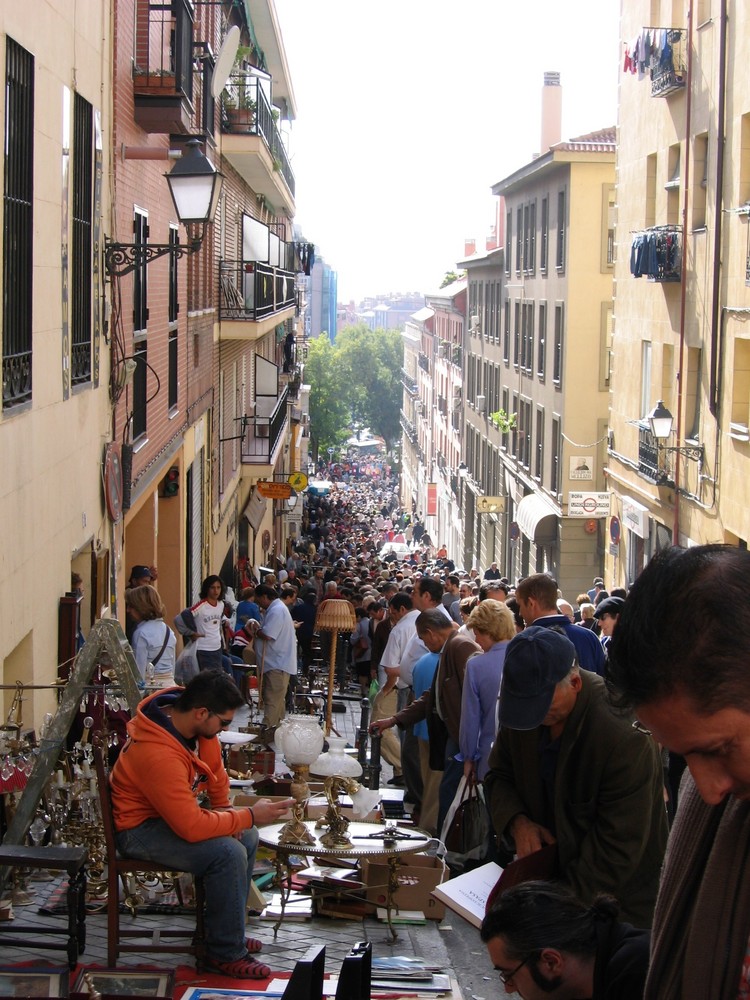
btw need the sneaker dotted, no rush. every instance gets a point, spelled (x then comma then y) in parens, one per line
(241, 968)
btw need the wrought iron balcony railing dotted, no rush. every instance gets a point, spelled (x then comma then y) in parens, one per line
(249, 290)
(262, 434)
(668, 61)
(246, 109)
(409, 382)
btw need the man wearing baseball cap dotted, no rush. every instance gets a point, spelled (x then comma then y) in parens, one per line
(607, 614)
(568, 769)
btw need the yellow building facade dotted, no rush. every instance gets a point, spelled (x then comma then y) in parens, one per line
(545, 365)
(55, 417)
(681, 336)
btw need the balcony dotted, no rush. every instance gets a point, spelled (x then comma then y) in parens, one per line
(264, 434)
(163, 70)
(253, 298)
(657, 254)
(408, 382)
(408, 428)
(669, 64)
(252, 143)
(649, 467)
(424, 362)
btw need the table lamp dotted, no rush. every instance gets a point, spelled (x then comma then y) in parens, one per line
(300, 739)
(340, 772)
(334, 616)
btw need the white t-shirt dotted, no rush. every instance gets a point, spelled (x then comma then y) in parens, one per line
(208, 618)
(400, 635)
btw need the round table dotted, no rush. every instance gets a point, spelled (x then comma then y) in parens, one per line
(367, 842)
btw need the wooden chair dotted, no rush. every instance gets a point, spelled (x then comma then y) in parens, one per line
(119, 939)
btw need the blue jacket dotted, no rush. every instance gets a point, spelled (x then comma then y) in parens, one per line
(589, 650)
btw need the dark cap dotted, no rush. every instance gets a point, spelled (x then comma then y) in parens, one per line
(139, 571)
(609, 606)
(536, 660)
(378, 605)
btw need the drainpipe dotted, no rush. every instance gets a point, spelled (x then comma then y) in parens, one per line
(717, 322)
(683, 282)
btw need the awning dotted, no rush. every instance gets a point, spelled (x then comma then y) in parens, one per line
(537, 519)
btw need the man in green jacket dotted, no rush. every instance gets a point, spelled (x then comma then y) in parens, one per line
(567, 768)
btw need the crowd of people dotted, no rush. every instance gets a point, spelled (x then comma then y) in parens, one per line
(577, 718)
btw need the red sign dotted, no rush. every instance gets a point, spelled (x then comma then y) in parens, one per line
(432, 499)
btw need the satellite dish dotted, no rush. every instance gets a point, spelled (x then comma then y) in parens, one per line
(225, 61)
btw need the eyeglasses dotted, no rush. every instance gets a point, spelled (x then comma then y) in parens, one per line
(223, 722)
(505, 977)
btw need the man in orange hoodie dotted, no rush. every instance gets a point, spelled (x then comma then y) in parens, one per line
(171, 759)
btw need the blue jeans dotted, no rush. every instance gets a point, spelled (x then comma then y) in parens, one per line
(226, 865)
(452, 775)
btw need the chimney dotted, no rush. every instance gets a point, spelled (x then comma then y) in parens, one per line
(470, 247)
(551, 111)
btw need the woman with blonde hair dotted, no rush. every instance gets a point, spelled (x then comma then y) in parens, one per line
(153, 640)
(493, 626)
(587, 616)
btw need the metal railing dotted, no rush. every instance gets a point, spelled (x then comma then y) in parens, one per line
(408, 381)
(249, 290)
(164, 47)
(262, 434)
(424, 362)
(408, 428)
(649, 467)
(246, 109)
(669, 65)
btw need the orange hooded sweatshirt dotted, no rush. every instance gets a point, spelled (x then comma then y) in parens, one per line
(156, 775)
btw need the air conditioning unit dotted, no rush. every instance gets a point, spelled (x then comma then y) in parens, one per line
(481, 404)
(474, 323)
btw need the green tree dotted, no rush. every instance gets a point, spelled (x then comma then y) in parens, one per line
(371, 362)
(329, 406)
(451, 276)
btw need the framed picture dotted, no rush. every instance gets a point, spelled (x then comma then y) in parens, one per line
(29, 981)
(126, 982)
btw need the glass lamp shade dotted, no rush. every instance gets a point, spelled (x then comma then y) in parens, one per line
(300, 739)
(660, 420)
(365, 800)
(195, 185)
(335, 616)
(336, 761)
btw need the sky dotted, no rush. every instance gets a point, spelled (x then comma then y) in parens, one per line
(409, 110)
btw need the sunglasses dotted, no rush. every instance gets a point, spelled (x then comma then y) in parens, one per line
(223, 722)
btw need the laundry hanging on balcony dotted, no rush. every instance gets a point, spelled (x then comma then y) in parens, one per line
(660, 53)
(657, 254)
(306, 254)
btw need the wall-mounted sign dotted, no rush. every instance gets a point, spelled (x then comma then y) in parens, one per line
(635, 517)
(432, 499)
(588, 504)
(614, 530)
(491, 505)
(581, 467)
(274, 491)
(297, 480)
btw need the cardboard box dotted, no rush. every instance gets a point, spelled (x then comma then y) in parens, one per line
(417, 877)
